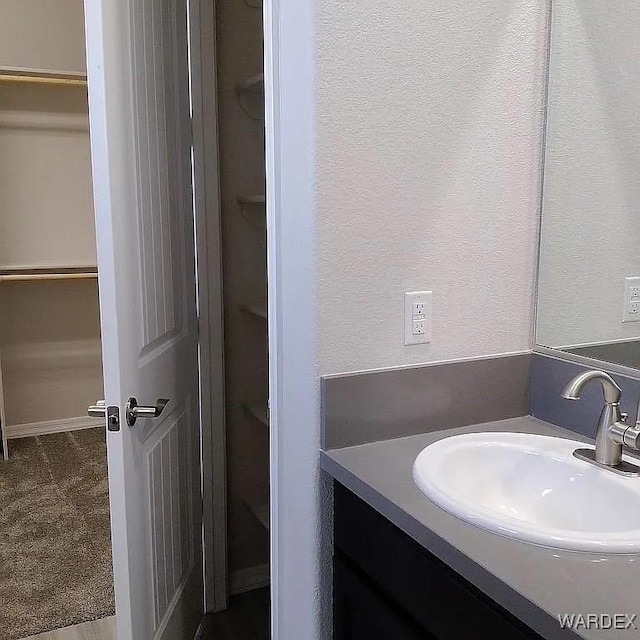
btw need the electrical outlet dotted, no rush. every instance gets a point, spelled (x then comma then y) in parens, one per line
(631, 300)
(417, 317)
(420, 327)
(420, 308)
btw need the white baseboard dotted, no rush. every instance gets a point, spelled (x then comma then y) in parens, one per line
(51, 426)
(249, 579)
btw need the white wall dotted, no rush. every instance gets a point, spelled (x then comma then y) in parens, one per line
(49, 331)
(45, 178)
(50, 345)
(403, 149)
(44, 137)
(429, 136)
(56, 34)
(591, 232)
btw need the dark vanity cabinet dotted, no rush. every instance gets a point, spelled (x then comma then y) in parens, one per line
(388, 587)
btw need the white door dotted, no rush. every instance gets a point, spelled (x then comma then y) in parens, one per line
(137, 57)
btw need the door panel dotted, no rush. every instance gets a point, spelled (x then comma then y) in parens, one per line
(164, 196)
(167, 469)
(140, 138)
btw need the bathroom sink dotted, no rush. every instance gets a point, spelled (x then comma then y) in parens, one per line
(532, 488)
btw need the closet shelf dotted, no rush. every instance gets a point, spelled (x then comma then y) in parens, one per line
(250, 96)
(260, 509)
(255, 310)
(41, 76)
(55, 273)
(254, 84)
(251, 199)
(259, 410)
(252, 208)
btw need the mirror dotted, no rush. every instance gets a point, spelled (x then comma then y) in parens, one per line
(588, 300)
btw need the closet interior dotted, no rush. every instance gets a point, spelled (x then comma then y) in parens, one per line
(55, 547)
(50, 356)
(241, 122)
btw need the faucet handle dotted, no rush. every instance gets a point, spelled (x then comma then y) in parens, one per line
(623, 434)
(631, 438)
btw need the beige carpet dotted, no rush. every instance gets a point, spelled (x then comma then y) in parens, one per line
(55, 547)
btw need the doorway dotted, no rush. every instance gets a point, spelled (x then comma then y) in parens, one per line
(55, 543)
(229, 141)
(53, 294)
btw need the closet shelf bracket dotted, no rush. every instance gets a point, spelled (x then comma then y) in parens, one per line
(251, 96)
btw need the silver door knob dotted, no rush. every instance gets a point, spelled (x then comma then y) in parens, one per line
(135, 411)
(112, 414)
(97, 410)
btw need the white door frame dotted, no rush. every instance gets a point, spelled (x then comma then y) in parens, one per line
(294, 395)
(296, 539)
(210, 300)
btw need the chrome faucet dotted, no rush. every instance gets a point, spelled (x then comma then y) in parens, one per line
(613, 432)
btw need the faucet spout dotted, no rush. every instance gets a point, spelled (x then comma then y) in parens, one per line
(610, 389)
(612, 432)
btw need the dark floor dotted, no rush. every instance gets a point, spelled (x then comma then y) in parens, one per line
(247, 618)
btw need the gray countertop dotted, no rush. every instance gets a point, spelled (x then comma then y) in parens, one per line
(535, 583)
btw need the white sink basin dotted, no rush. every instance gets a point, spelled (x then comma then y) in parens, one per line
(532, 488)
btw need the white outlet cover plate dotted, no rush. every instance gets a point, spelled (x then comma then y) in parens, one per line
(410, 299)
(627, 314)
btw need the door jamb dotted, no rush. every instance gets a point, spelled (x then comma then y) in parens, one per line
(300, 607)
(206, 184)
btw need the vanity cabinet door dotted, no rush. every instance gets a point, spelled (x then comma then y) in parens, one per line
(361, 612)
(410, 580)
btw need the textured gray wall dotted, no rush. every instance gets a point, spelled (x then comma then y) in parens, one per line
(392, 403)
